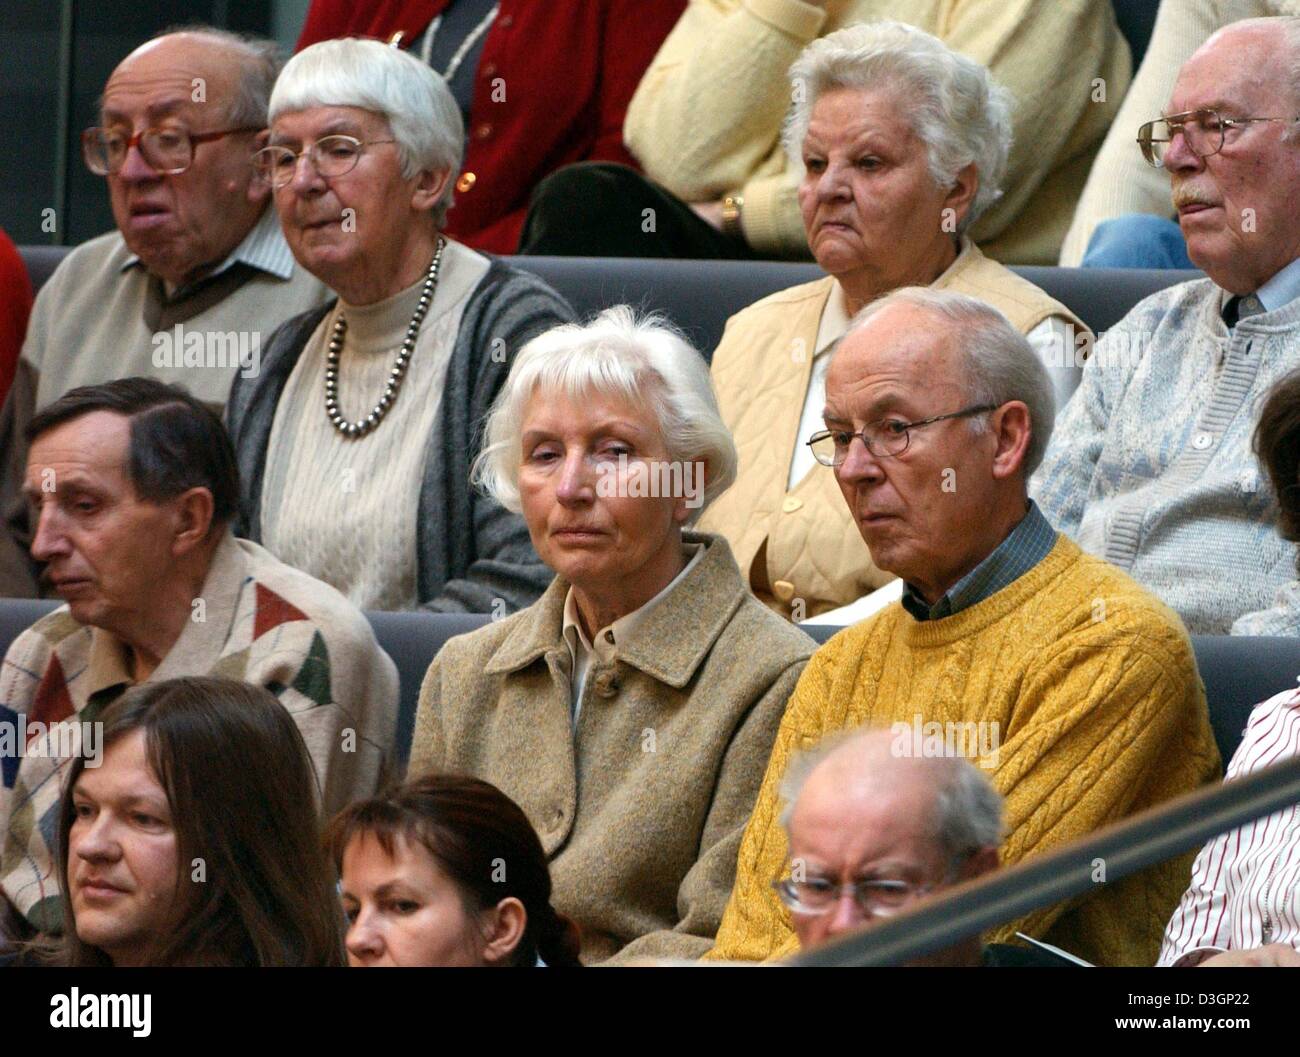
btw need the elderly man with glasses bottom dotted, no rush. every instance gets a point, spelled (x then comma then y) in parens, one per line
(197, 274)
(877, 820)
(1075, 688)
(1151, 465)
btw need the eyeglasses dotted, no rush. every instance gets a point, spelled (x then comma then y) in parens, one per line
(331, 155)
(1203, 131)
(888, 437)
(881, 897)
(168, 150)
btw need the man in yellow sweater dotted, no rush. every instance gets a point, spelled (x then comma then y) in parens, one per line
(937, 410)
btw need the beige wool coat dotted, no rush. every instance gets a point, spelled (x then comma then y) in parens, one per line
(641, 809)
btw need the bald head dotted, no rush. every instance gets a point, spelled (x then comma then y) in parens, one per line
(1235, 194)
(1273, 45)
(879, 806)
(233, 71)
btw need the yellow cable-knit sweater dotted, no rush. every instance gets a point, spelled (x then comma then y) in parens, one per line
(1099, 710)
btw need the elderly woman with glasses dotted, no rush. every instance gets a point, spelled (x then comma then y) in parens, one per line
(356, 435)
(903, 144)
(631, 710)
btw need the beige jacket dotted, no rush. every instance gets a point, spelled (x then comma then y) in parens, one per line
(800, 549)
(706, 117)
(641, 809)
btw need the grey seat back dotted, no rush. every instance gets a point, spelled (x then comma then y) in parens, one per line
(413, 640)
(1238, 671)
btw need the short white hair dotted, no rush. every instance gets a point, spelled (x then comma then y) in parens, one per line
(1000, 364)
(412, 98)
(644, 361)
(967, 808)
(955, 107)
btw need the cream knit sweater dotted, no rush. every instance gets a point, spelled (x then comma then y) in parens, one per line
(346, 510)
(706, 118)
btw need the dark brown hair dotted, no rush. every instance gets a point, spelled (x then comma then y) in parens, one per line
(177, 441)
(470, 828)
(242, 794)
(1277, 446)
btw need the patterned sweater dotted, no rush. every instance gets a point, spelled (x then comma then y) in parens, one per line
(260, 621)
(1086, 690)
(1150, 465)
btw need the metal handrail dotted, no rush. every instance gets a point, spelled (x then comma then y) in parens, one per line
(1124, 848)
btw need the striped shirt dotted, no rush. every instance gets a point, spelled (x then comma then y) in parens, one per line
(1246, 875)
(1025, 546)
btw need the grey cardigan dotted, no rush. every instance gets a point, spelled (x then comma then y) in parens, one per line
(474, 556)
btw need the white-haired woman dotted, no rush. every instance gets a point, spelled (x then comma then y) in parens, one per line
(356, 435)
(631, 710)
(903, 144)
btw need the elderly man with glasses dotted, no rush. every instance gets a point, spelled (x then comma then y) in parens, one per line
(1073, 687)
(1151, 465)
(876, 821)
(197, 274)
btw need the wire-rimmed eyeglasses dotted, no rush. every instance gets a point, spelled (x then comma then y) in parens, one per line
(888, 437)
(1203, 131)
(331, 155)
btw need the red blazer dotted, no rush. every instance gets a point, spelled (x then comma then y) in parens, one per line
(15, 306)
(567, 70)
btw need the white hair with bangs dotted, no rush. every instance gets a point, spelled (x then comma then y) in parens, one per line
(954, 106)
(412, 98)
(644, 361)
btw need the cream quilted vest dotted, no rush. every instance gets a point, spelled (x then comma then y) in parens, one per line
(800, 548)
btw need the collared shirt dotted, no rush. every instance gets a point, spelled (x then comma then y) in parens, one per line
(1027, 545)
(1282, 289)
(263, 248)
(605, 648)
(1277, 293)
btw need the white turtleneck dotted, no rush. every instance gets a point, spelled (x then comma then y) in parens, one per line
(344, 510)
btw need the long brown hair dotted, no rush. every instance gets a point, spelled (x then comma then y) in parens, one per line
(470, 828)
(242, 794)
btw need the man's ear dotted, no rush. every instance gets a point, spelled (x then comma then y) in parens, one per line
(504, 929)
(193, 517)
(983, 861)
(259, 189)
(1013, 432)
(429, 188)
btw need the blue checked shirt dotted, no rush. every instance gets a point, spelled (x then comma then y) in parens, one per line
(1027, 545)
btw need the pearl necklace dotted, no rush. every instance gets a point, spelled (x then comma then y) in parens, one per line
(355, 430)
